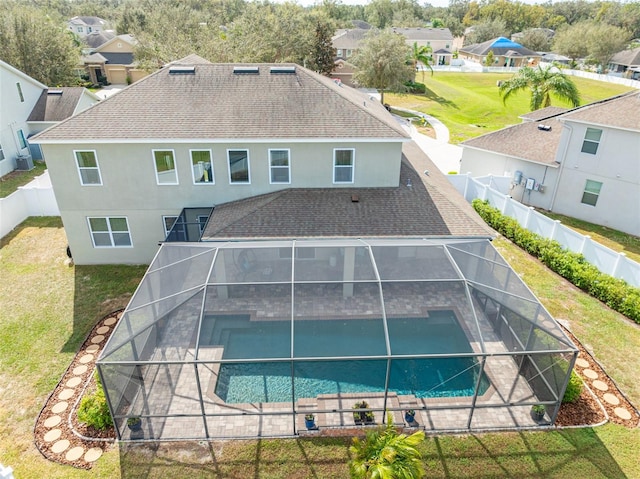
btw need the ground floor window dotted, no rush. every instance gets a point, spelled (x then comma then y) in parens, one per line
(591, 192)
(110, 232)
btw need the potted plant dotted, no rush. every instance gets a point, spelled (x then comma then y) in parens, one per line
(310, 421)
(134, 423)
(537, 411)
(410, 416)
(361, 415)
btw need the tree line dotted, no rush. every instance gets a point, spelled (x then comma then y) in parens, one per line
(35, 39)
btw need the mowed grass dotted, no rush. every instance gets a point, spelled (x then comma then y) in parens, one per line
(10, 182)
(469, 103)
(48, 308)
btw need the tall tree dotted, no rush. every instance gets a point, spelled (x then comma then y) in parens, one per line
(543, 82)
(323, 54)
(485, 31)
(421, 55)
(38, 45)
(537, 39)
(381, 62)
(595, 40)
(386, 454)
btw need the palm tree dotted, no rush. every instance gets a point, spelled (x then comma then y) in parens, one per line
(543, 82)
(421, 55)
(385, 454)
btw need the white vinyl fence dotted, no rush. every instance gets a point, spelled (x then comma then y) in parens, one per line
(494, 189)
(33, 199)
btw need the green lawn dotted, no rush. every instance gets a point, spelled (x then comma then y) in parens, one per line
(48, 308)
(469, 103)
(9, 183)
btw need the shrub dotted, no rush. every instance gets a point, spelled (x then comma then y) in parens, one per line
(94, 410)
(615, 293)
(574, 388)
(415, 87)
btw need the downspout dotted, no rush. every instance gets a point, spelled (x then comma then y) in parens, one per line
(562, 164)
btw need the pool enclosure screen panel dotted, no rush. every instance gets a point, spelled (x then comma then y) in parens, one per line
(244, 339)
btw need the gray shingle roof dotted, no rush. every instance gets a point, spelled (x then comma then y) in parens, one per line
(543, 113)
(424, 34)
(628, 58)
(215, 103)
(118, 58)
(431, 207)
(349, 39)
(54, 106)
(622, 111)
(96, 39)
(525, 141)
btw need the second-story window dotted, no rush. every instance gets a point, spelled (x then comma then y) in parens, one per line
(239, 166)
(202, 167)
(88, 168)
(343, 164)
(591, 141)
(165, 165)
(279, 167)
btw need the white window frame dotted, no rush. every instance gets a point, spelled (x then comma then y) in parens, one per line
(339, 52)
(193, 173)
(164, 223)
(596, 195)
(88, 168)
(155, 166)
(22, 140)
(279, 167)
(109, 231)
(352, 166)
(589, 141)
(231, 182)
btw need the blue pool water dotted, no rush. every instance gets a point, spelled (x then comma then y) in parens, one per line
(272, 382)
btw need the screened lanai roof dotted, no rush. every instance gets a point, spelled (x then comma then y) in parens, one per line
(292, 292)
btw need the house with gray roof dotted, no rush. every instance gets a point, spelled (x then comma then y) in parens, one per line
(113, 62)
(626, 63)
(506, 53)
(201, 151)
(85, 25)
(583, 163)
(28, 107)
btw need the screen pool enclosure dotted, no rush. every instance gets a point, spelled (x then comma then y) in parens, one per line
(249, 339)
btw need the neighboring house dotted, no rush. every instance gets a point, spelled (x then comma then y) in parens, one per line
(83, 26)
(506, 53)
(347, 42)
(113, 62)
(28, 107)
(96, 39)
(584, 163)
(195, 135)
(626, 63)
(551, 57)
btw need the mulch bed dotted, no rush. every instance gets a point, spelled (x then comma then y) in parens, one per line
(586, 411)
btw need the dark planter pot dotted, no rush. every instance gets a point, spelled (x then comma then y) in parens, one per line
(537, 415)
(137, 426)
(409, 417)
(310, 423)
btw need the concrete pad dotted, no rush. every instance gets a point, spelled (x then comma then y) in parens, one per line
(611, 399)
(589, 373)
(583, 363)
(73, 382)
(97, 339)
(52, 435)
(600, 385)
(93, 348)
(74, 454)
(103, 330)
(93, 454)
(80, 370)
(59, 407)
(53, 421)
(87, 358)
(60, 446)
(622, 413)
(66, 394)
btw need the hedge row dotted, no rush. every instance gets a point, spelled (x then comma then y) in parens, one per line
(615, 293)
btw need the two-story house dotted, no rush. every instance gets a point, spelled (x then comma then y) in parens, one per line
(583, 163)
(196, 135)
(27, 107)
(113, 61)
(84, 25)
(347, 42)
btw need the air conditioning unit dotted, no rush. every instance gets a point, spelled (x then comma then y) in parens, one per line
(24, 162)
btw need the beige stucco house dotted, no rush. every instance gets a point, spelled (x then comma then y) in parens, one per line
(113, 61)
(583, 163)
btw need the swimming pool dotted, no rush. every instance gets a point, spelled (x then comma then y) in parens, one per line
(272, 381)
